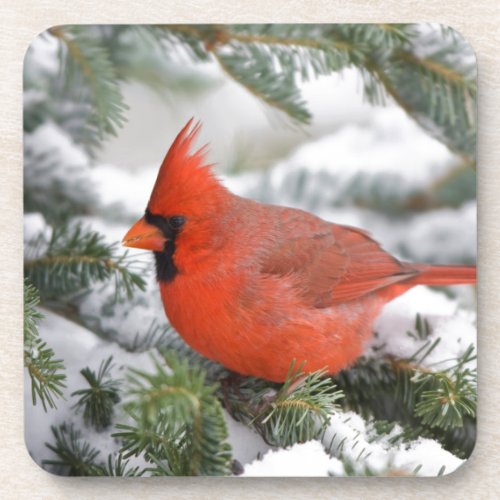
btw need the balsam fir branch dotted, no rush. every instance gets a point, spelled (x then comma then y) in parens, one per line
(155, 337)
(300, 411)
(448, 396)
(165, 448)
(440, 98)
(74, 456)
(434, 85)
(165, 339)
(87, 64)
(293, 412)
(74, 259)
(270, 64)
(275, 88)
(117, 466)
(435, 403)
(46, 372)
(303, 51)
(439, 95)
(99, 399)
(177, 400)
(31, 314)
(429, 73)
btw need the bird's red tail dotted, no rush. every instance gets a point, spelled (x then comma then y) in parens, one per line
(445, 275)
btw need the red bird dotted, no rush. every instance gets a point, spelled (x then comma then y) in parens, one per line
(254, 286)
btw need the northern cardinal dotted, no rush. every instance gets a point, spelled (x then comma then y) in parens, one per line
(255, 286)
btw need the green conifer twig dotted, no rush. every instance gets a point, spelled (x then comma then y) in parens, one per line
(46, 373)
(177, 399)
(75, 258)
(99, 399)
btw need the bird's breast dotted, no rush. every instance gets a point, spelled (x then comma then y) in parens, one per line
(256, 325)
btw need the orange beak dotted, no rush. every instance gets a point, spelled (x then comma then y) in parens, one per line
(145, 236)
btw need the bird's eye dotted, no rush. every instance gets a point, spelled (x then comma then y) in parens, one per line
(176, 221)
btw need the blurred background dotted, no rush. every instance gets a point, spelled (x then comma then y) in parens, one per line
(367, 125)
(346, 147)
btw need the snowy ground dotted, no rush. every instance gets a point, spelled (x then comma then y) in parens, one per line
(373, 142)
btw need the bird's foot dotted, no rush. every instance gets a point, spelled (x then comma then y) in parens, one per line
(230, 384)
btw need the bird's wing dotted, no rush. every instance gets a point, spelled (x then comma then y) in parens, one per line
(334, 264)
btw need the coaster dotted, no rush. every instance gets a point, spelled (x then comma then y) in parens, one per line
(250, 250)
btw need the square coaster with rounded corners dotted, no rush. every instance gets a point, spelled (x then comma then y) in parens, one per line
(250, 250)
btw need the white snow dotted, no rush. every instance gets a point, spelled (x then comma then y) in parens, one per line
(351, 438)
(300, 460)
(348, 438)
(50, 138)
(36, 236)
(135, 186)
(34, 225)
(455, 328)
(246, 444)
(428, 456)
(41, 56)
(46, 148)
(389, 143)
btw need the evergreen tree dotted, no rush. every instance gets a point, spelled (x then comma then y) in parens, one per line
(173, 417)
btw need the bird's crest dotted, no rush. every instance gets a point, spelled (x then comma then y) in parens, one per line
(184, 179)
